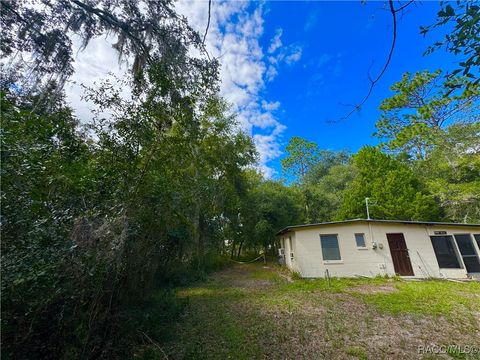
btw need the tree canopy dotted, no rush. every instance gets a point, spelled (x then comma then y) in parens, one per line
(161, 186)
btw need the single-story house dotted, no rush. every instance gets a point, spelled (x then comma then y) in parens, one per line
(362, 247)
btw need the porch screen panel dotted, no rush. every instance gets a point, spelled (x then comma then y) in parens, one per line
(467, 250)
(477, 239)
(445, 252)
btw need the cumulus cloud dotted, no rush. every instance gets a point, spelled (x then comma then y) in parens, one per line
(271, 72)
(270, 106)
(280, 54)
(99, 61)
(269, 149)
(233, 38)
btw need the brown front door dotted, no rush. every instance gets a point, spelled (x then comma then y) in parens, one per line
(400, 257)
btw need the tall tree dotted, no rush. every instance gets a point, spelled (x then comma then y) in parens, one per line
(301, 156)
(423, 104)
(327, 193)
(452, 171)
(271, 207)
(147, 32)
(394, 190)
(93, 217)
(325, 160)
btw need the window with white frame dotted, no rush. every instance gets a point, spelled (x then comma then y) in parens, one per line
(330, 248)
(360, 240)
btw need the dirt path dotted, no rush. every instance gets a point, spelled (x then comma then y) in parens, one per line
(251, 312)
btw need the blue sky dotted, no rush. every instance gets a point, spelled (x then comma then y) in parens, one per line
(339, 41)
(287, 67)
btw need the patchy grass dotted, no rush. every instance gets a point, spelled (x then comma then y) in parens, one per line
(255, 312)
(433, 297)
(357, 352)
(334, 284)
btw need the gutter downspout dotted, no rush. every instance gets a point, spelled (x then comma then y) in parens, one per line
(370, 233)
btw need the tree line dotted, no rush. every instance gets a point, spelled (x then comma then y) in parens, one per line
(426, 167)
(160, 187)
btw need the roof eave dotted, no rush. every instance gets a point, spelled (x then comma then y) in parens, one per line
(429, 223)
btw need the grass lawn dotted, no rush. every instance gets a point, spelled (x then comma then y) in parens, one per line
(257, 312)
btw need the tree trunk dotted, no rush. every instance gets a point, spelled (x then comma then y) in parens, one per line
(197, 236)
(232, 254)
(239, 249)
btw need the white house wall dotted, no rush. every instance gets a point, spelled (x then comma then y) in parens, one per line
(368, 261)
(289, 262)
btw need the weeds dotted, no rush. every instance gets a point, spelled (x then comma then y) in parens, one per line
(251, 311)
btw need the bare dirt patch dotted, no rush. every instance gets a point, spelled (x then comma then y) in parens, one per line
(374, 289)
(275, 319)
(240, 276)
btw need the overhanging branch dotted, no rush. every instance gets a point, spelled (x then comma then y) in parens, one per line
(373, 82)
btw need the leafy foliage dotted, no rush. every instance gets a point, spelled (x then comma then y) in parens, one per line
(452, 171)
(91, 226)
(394, 190)
(463, 40)
(158, 188)
(94, 217)
(421, 106)
(302, 154)
(148, 33)
(327, 195)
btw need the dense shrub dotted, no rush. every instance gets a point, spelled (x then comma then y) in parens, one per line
(89, 228)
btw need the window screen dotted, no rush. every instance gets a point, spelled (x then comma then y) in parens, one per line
(360, 239)
(465, 244)
(330, 250)
(445, 252)
(467, 250)
(477, 239)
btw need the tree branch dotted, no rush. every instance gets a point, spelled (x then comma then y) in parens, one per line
(114, 23)
(373, 82)
(404, 6)
(208, 22)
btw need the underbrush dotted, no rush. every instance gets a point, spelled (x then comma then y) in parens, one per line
(154, 318)
(183, 273)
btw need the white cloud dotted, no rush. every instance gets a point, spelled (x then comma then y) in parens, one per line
(270, 106)
(294, 56)
(276, 42)
(271, 73)
(234, 38)
(278, 55)
(269, 149)
(99, 61)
